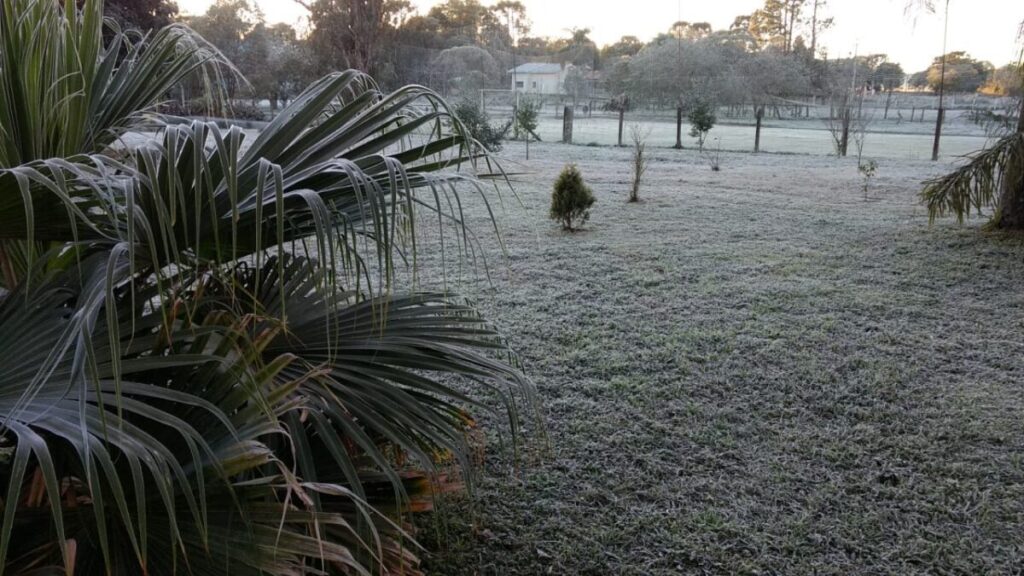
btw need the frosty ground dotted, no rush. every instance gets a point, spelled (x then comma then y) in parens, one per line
(886, 138)
(752, 371)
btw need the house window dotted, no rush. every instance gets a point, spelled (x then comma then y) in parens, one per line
(535, 85)
(519, 84)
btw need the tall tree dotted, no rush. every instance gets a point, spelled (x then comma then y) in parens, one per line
(143, 15)
(767, 26)
(355, 34)
(464, 21)
(275, 62)
(818, 24)
(958, 72)
(225, 24)
(1004, 81)
(626, 46)
(776, 22)
(578, 48)
(511, 14)
(683, 30)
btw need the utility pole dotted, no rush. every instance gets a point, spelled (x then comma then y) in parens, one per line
(510, 19)
(942, 87)
(856, 49)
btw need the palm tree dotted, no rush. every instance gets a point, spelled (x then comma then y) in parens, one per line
(207, 359)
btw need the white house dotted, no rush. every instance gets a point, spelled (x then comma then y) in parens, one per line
(538, 78)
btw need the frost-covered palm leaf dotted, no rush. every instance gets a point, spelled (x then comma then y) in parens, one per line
(178, 392)
(343, 164)
(377, 370)
(981, 183)
(64, 91)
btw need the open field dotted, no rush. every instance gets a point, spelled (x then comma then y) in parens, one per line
(894, 137)
(886, 139)
(755, 371)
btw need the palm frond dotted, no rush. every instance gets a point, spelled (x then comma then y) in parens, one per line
(206, 357)
(978, 184)
(64, 91)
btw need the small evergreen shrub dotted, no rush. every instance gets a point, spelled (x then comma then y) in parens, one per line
(571, 199)
(702, 120)
(476, 120)
(526, 120)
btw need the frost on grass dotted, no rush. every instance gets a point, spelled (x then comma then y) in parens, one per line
(754, 371)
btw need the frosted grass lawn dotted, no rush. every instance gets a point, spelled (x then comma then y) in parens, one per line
(755, 371)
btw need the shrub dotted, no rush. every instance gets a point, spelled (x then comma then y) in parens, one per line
(715, 159)
(867, 171)
(476, 120)
(640, 160)
(571, 199)
(208, 108)
(526, 121)
(702, 120)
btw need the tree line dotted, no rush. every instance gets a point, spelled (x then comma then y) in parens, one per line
(461, 46)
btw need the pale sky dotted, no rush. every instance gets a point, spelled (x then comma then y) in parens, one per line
(987, 29)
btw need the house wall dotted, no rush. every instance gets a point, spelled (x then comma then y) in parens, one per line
(538, 83)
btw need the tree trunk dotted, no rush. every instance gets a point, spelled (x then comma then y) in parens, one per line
(814, 31)
(1011, 204)
(888, 100)
(1010, 215)
(792, 24)
(844, 143)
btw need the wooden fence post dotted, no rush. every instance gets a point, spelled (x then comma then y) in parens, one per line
(622, 121)
(759, 114)
(567, 117)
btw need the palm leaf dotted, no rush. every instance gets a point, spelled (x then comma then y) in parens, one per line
(178, 390)
(978, 184)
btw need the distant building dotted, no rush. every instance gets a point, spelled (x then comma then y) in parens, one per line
(538, 78)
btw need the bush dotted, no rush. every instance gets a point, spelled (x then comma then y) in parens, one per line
(206, 108)
(571, 199)
(702, 120)
(527, 112)
(640, 160)
(476, 120)
(240, 111)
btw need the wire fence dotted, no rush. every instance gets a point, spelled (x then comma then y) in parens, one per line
(897, 126)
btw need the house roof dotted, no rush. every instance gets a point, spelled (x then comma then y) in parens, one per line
(537, 68)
